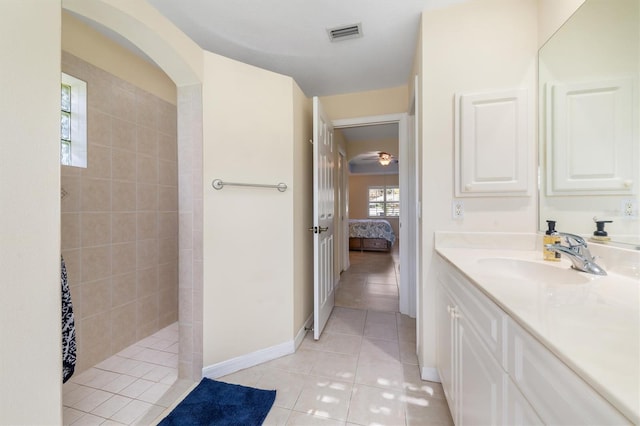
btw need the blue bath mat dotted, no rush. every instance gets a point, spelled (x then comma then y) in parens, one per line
(218, 403)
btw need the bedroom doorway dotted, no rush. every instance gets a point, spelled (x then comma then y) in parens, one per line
(405, 228)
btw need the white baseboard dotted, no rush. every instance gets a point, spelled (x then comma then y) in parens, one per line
(258, 357)
(249, 360)
(430, 374)
(303, 331)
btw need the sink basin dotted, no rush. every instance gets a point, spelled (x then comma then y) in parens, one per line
(520, 269)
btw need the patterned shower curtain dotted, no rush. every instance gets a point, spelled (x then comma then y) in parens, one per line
(68, 327)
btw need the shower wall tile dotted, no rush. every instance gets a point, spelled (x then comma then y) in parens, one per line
(123, 225)
(123, 165)
(123, 196)
(96, 229)
(70, 230)
(96, 296)
(99, 127)
(123, 135)
(99, 159)
(119, 218)
(96, 195)
(124, 289)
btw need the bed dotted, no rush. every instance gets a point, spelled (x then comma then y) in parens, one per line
(371, 235)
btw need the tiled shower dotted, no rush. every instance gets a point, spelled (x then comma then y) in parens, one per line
(120, 217)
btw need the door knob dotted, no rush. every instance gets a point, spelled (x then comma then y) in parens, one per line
(324, 229)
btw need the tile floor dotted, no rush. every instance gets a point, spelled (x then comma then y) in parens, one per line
(363, 370)
(132, 387)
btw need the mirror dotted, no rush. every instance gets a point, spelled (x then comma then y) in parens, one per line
(588, 116)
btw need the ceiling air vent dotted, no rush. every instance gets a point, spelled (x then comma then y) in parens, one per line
(345, 32)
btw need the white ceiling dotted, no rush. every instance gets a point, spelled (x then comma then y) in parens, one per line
(290, 37)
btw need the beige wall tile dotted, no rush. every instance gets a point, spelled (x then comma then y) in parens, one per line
(123, 165)
(124, 289)
(96, 195)
(168, 173)
(147, 225)
(123, 226)
(96, 263)
(94, 330)
(167, 198)
(147, 252)
(123, 331)
(167, 147)
(98, 125)
(73, 263)
(147, 282)
(122, 103)
(146, 110)
(124, 257)
(167, 224)
(147, 169)
(70, 202)
(96, 229)
(168, 118)
(123, 134)
(70, 230)
(123, 196)
(147, 141)
(98, 162)
(147, 198)
(168, 250)
(96, 297)
(168, 278)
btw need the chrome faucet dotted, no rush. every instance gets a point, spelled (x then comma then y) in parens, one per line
(577, 251)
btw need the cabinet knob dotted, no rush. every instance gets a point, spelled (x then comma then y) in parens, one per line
(628, 183)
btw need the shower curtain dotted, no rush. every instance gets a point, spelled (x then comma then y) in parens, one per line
(68, 327)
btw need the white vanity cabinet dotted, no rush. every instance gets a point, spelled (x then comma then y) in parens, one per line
(470, 353)
(495, 373)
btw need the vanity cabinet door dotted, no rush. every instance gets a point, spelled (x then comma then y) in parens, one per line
(519, 411)
(559, 395)
(481, 379)
(445, 321)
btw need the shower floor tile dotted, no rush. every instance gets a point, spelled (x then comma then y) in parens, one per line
(130, 387)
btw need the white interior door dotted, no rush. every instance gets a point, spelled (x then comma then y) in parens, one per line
(323, 217)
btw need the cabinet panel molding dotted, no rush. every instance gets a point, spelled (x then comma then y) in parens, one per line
(491, 146)
(590, 129)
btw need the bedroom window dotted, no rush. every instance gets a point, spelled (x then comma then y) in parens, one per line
(73, 121)
(384, 201)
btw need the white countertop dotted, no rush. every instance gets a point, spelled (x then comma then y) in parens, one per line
(593, 327)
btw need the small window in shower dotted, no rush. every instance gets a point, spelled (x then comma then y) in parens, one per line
(73, 121)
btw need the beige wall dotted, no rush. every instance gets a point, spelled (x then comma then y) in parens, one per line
(120, 216)
(359, 200)
(84, 42)
(496, 50)
(365, 104)
(302, 209)
(30, 352)
(248, 233)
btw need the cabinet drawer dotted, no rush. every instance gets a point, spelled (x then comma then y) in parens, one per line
(484, 316)
(559, 396)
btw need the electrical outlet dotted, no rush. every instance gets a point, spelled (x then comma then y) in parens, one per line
(629, 207)
(457, 211)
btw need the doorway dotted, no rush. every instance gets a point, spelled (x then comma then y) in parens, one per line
(407, 220)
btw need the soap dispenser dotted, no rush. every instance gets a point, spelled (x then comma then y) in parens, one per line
(551, 236)
(600, 235)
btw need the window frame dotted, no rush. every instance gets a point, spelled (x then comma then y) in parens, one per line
(385, 202)
(78, 120)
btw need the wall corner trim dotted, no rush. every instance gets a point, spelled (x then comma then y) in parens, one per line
(430, 374)
(249, 360)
